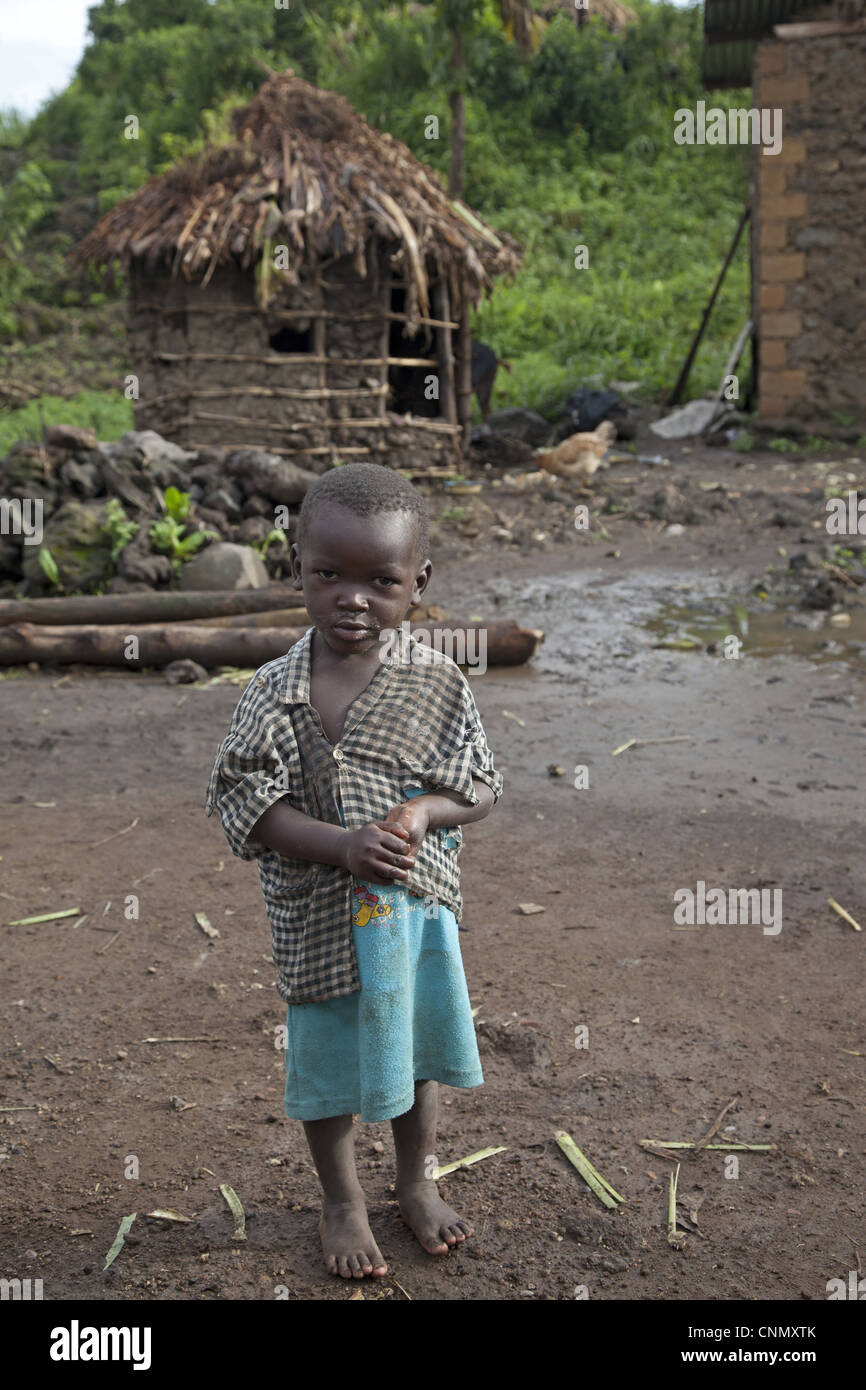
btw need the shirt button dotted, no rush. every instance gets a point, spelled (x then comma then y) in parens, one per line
(338, 755)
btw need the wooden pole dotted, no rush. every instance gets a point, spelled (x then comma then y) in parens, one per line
(385, 341)
(319, 349)
(448, 399)
(751, 402)
(464, 390)
(736, 354)
(683, 377)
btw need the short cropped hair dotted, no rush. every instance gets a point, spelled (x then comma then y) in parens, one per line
(365, 489)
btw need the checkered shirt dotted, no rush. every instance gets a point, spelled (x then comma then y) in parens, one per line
(415, 725)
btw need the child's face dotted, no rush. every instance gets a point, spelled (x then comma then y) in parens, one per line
(358, 573)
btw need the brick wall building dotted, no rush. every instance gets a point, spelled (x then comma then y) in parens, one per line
(808, 205)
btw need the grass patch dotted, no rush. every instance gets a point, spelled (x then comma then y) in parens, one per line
(107, 413)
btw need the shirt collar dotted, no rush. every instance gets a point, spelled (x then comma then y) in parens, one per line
(295, 683)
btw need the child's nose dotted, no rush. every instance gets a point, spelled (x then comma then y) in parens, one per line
(354, 601)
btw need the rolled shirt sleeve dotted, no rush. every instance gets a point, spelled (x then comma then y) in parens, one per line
(258, 763)
(472, 759)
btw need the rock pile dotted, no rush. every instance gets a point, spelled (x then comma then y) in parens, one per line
(99, 500)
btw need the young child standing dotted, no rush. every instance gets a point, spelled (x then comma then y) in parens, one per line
(350, 766)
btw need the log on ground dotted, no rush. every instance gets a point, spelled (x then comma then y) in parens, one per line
(272, 617)
(498, 644)
(169, 607)
(112, 645)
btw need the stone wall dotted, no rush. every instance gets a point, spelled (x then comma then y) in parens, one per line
(809, 265)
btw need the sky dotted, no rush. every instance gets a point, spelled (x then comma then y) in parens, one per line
(41, 42)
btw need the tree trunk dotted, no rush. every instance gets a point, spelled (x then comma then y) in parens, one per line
(457, 103)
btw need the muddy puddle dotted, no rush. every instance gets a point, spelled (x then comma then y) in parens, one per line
(592, 618)
(769, 631)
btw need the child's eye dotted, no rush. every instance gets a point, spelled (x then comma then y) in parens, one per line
(385, 579)
(326, 573)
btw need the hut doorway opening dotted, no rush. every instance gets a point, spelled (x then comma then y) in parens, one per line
(292, 340)
(410, 386)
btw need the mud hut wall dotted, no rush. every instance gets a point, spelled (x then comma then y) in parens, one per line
(222, 320)
(251, 401)
(809, 287)
(151, 331)
(356, 335)
(415, 447)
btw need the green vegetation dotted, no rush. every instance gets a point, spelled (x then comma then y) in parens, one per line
(455, 513)
(568, 145)
(847, 559)
(119, 526)
(167, 534)
(812, 444)
(48, 565)
(109, 415)
(272, 538)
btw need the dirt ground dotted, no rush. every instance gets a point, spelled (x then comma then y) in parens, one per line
(764, 790)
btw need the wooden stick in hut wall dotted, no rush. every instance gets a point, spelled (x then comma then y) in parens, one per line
(413, 422)
(422, 321)
(292, 359)
(283, 392)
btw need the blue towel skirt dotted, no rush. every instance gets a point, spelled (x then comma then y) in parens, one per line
(411, 1021)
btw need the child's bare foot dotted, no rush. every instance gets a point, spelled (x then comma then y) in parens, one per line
(347, 1241)
(435, 1224)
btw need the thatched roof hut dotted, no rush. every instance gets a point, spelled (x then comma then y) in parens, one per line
(305, 288)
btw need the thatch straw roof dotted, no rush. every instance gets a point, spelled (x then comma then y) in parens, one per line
(305, 171)
(615, 14)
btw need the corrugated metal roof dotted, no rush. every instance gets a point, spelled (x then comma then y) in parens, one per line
(728, 64)
(732, 28)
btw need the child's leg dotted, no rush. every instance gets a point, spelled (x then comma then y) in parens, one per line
(433, 1221)
(347, 1241)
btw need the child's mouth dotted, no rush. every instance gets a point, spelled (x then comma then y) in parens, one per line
(351, 632)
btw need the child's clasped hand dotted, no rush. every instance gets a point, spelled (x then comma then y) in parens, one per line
(385, 850)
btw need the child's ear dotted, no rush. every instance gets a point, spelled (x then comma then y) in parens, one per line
(422, 579)
(295, 557)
